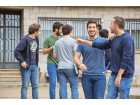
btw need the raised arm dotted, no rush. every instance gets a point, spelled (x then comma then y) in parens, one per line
(79, 40)
(100, 45)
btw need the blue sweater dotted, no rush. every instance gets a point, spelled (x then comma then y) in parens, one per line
(122, 54)
(22, 51)
(107, 59)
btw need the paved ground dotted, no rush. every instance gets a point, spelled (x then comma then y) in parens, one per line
(14, 92)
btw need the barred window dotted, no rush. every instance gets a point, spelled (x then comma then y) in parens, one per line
(10, 35)
(78, 24)
(133, 27)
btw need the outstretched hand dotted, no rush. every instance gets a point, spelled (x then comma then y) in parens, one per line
(111, 37)
(79, 40)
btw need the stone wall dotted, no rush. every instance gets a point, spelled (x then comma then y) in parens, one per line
(31, 13)
(136, 79)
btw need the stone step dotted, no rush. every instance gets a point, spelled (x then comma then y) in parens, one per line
(18, 84)
(10, 76)
(7, 70)
(10, 79)
(9, 73)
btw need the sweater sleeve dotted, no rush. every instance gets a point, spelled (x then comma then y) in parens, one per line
(19, 49)
(107, 56)
(106, 44)
(128, 52)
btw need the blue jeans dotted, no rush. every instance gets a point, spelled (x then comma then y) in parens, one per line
(93, 86)
(63, 75)
(124, 88)
(27, 76)
(52, 71)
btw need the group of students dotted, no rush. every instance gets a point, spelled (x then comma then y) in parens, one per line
(64, 60)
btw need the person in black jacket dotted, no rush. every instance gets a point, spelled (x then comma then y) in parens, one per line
(27, 53)
(99, 27)
(105, 33)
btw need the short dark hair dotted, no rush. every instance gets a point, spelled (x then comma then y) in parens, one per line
(33, 28)
(120, 21)
(57, 25)
(99, 26)
(66, 29)
(104, 33)
(91, 21)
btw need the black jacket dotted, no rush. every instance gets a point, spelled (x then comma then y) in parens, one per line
(22, 51)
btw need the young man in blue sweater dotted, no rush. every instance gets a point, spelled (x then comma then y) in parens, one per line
(122, 62)
(27, 53)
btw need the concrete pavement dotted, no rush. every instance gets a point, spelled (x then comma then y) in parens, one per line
(13, 92)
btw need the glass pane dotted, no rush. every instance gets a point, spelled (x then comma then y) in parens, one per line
(1, 44)
(135, 36)
(133, 27)
(12, 33)
(7, 20)
(1, 19)
(1, 33)
(12, 39)
(12, 20)
(1, 50)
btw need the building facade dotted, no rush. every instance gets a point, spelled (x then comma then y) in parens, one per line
(14, 23)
